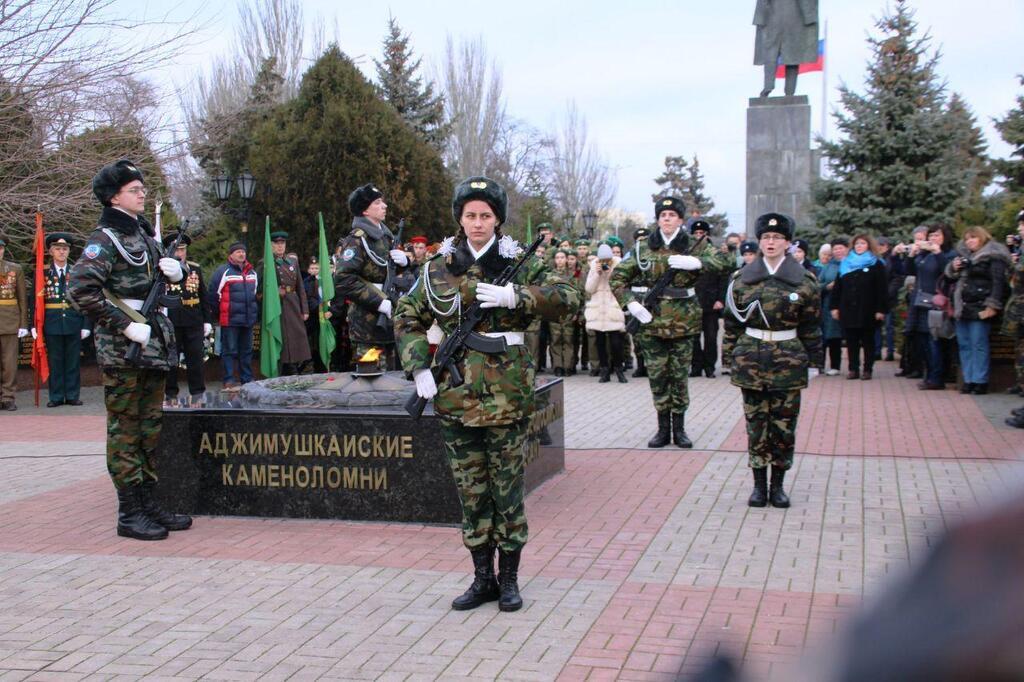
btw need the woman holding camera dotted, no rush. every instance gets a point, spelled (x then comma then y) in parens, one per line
(979, 269)
(859, 302)
(928, 260)
(604, 315)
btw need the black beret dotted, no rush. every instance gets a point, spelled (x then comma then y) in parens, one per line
(279, 236)
(700, 224)
(802, 245)
(774, 222)
(63, 238)
(235, 246)
(112, 178)
(484, 189)
(361, 198)
(171, 236)
(748, 247)
(669, 204)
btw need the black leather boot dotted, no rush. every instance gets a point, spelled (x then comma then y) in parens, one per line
(508, 580)
(679, 436)
(620, 376)
(167, 519)
(641, 368)
(759, 497)
(132, 522)
(484, 587)
(664, 434)
(605, 376)
(694, 371)
(776, 495)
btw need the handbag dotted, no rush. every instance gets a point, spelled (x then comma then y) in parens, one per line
(924, 300)
(941, 325)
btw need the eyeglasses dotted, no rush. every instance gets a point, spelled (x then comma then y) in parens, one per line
(136, 190)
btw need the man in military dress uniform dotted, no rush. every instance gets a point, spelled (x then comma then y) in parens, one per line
(636, 340)
(109, 284)
(192, 323)
(13, 325)
(64, 328)
(484, 420)
(667, 334)
(362, 270)
(710, 288)
(773, 335)
(294, 307)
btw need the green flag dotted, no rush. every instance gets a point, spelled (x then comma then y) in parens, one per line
(529, 230)
(270, 329)
(327, 340)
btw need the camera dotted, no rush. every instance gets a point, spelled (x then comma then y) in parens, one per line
(605, 265)
(965, 261)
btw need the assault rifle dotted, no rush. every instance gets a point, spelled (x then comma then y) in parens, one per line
(157, 296)
(383, 322)
(450, 351)
(654, 293)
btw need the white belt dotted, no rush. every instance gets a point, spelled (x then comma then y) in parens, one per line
(379, 285)
(638, 290)
(768, 335)
(511, 338)
(136, 304)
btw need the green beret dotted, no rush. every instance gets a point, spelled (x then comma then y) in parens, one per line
(582, 242)
(612, 240)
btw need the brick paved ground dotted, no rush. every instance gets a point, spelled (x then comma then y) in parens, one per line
(640, 564)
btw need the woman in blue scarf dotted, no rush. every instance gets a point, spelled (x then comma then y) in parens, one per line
(859, 302)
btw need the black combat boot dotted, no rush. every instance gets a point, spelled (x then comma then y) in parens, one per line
(167, 519)
(132, 522)
(694, 371)
(508, 577)
(679, 436)
(484, 587)
(641, 368)
(776, 495)
(620, 376)
(664, 434)
(759, 497)
(605, 376)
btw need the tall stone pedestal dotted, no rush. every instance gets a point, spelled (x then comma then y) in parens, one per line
(780, 164)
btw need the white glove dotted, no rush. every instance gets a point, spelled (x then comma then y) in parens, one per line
(491, 296)
(22, 333)
(171, 268)
(85, 334)
(399, 257)
(677, 262)
(138, 332)
(637, 310)
(385, 307)
(33, 330)
(425, 386)
(207, 328)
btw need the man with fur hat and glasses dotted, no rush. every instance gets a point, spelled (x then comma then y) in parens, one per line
(192, 323)
(668, 332)
(773, 336)
(362, 269)
(484, 420)
(109, 284)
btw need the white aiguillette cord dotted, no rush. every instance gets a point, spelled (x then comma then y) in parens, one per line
(744, 315)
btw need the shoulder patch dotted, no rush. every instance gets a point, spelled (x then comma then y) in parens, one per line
(92, 251)
(348, 254)
(358, 232)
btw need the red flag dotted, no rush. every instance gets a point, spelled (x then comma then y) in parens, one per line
(807, 67)
(40, 364)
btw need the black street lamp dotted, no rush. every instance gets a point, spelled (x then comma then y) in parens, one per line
(589, 221)
(246, 187)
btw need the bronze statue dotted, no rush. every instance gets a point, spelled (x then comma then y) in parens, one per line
(787, 33)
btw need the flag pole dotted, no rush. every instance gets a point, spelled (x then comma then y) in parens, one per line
(824, 88)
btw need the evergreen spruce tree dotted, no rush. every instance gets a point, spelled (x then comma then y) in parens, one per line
(684, 180)
(899, 161)
(1011, 129)
(968, 150)
(405, 91)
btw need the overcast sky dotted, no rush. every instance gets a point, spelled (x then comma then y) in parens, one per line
(655, 77)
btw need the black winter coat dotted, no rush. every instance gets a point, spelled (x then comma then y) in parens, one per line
(711, 288)
(858, 295)
(983, 283)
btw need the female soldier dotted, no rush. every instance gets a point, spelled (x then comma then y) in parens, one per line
(484, 420)
(773, 336)
(561, 331)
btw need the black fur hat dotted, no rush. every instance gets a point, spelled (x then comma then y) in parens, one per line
(748, 247)
(111, 178)
(361, 198)
(700, 224)
(774, 222)
(484, 189)
(669, 204)
(172, 235)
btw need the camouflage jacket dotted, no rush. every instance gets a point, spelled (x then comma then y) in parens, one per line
(1014, 311)
(497, 389)
(789, 299)
(359, 276)
(120, 257)
(674, 317)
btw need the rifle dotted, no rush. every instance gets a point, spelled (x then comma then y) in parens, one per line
(654, 293)
(155, 298)
(450, 350)
(383, 322)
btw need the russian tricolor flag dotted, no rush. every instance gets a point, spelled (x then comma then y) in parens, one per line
(818, 65)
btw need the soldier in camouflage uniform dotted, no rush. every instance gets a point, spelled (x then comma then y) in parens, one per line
(484, 420)
(668, 334)
(561, 330)
(361, 271)
(1013, 320)
(109, 283)
(773, 336)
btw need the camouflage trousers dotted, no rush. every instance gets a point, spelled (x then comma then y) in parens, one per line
(771, 426)
(561, 346)
(668, 367)
(1019, 362)
(134, 400)
(389, 357)
(487, 462)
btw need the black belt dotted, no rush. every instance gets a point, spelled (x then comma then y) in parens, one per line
(678, 292)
